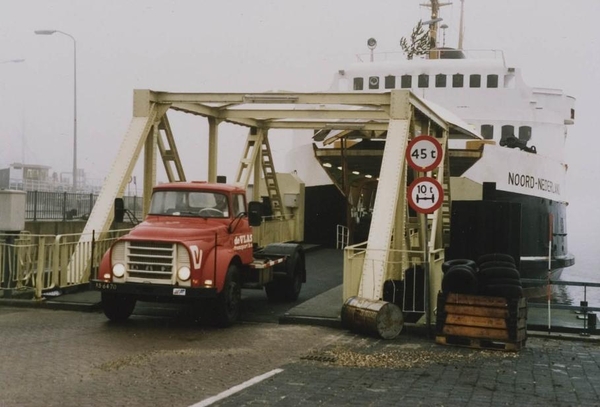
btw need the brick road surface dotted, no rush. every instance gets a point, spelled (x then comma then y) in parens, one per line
(62, 358)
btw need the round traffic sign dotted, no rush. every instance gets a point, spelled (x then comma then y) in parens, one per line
(425, 195)
(424, 153)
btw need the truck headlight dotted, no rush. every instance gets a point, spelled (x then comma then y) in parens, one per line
(118, 270)
(184, 273)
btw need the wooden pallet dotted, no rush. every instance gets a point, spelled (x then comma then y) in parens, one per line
(481, 322)
(477, 343)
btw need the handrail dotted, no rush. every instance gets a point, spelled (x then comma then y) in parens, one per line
(49, 262)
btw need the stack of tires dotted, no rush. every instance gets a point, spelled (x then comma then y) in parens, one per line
(460, 277)
(493, 275)
(498, 276)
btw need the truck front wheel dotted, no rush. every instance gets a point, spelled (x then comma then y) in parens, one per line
(228, 301)
(117, 307)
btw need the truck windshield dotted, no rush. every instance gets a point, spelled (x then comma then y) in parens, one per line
(189, 203)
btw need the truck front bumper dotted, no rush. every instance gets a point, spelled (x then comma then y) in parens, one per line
(153, 290)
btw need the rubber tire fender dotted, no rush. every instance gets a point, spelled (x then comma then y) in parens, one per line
(495, 257)
(504, 290)
(499, 272)
(496, 263)
(460, 279)
(447, 265)
(504, 281)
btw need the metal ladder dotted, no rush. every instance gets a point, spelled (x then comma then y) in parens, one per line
(257, 143)
(168, 152)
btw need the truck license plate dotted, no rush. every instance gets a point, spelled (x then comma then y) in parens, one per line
(105, 286)
(178, 291)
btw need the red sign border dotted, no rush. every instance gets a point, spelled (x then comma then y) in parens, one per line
(433, 208)
(432, 140)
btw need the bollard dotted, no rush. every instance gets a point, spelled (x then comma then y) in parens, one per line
(591, 323)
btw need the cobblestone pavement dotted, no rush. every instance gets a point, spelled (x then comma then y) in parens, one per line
(412, 370)
(63, 358)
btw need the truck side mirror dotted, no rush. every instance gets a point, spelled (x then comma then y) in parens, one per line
(254, 213)
(119, 210)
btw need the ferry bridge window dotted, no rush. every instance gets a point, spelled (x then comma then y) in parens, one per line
(440, 80)
(374, 82)
(358, 83)
(423, 81)
(475, 81)
(458, 80)
(406, 81)
(507, 131)
(492, 81)
(487, 131)
(390, 82)
(525, 133)
(509, 81)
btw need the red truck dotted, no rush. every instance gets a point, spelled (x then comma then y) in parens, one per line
(196, 245)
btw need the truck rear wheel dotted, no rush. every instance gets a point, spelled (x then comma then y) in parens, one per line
(287, 289)
(117, 307)
(228, 301)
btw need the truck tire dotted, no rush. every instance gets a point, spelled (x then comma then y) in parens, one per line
(228, 301)
(287, 289)
(117, 307)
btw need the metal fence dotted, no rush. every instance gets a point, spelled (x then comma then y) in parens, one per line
(42, 205)
(49, 263)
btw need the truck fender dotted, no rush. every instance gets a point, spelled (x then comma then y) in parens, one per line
(293, 253)
(225, 257)
(104, 266)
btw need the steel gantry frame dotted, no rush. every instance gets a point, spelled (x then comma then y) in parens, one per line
(369, 113)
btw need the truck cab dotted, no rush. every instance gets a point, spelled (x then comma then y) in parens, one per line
(196, 244)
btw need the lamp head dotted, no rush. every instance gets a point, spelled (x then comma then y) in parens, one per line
(45, 32)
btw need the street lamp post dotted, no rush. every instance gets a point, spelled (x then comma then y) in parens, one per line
(50, 32)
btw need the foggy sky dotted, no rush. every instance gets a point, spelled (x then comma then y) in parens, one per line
(259, 45)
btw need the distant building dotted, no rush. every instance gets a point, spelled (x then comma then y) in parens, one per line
(35, 177)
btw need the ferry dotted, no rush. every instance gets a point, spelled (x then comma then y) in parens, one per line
(508, 187)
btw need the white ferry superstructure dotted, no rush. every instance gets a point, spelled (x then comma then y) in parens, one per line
(519, 159)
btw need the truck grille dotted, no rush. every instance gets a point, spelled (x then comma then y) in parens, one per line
(150, 260)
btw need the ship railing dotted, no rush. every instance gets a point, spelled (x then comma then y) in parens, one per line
(49, 265)
(560, 316)
(446, 53)
(405, 267)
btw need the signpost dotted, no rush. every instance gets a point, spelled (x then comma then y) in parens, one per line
(425, 194)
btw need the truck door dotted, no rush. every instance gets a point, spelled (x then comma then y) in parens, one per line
(241, 234)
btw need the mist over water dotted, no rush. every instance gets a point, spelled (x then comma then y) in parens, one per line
(584, 243)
